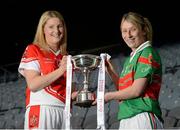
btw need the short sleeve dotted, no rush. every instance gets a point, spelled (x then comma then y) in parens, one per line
(147, 64)
(29, 60)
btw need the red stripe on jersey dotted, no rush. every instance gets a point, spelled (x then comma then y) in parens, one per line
(157, 77)
(149, 61)
(127, 76)
(55, 94)
(126, 81)
(153, 91)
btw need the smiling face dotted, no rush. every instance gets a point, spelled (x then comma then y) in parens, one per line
(54, 32)
(132, 34)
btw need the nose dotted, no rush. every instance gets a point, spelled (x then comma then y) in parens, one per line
(56, 29)
(129, 34)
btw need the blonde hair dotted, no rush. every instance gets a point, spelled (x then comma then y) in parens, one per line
(40, 37)
(141, 22)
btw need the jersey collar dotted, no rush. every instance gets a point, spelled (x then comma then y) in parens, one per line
(140, 48)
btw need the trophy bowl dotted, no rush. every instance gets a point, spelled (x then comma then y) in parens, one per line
(88, 61)
(85, 63)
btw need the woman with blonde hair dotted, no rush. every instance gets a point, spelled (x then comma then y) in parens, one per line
(140, 80)
(43, 65)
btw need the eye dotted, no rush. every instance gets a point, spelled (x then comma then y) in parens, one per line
(124, 31)
(60, 26)
(50, 26)
(134, 29)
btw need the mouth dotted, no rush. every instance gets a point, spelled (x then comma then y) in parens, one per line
(56, 36)
(130, 40)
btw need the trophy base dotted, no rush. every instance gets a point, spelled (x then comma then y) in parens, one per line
(87, 103)
(85, 99)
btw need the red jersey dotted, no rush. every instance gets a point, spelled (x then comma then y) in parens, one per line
(43, 62)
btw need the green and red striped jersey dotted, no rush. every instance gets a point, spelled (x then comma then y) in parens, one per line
(145, 63)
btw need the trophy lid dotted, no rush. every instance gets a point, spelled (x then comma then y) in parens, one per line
(88, 61)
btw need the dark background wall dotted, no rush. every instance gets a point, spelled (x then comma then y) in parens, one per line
(90, 24)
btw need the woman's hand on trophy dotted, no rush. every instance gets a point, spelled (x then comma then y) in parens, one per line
(63, 63)
(107, 97)
(74, 95)
(94, 102)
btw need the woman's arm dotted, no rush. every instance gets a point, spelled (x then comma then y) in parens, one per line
(35, 81)
(136, 90)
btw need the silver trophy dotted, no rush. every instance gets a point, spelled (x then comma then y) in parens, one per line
(85, 63)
